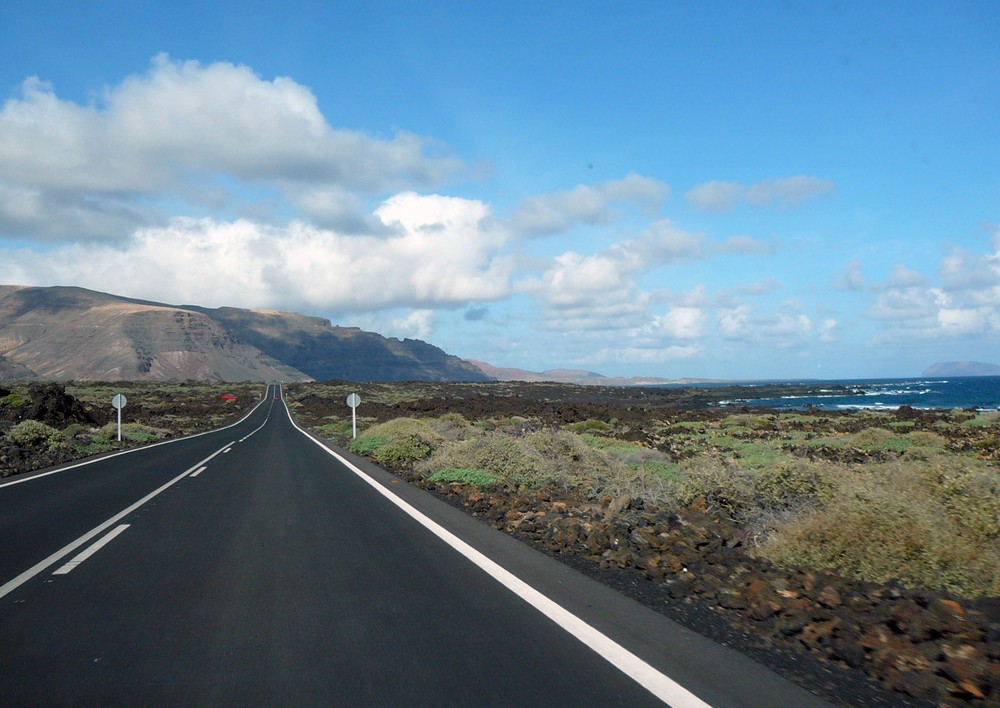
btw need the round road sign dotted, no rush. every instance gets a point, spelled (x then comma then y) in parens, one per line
(354, 400)
(119, 401)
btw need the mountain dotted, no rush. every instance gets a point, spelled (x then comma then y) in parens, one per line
(313, 345)
(962, 368)
(63, 333)
(575, 376)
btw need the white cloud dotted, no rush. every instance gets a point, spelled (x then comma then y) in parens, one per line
(441, 254)
(788, 191)
(852, 279)
(781, 329)
(902, 277)
(589, 204)
(681, 323)
(162, 133)
(744, 244)
(647, 355)
(717, 196)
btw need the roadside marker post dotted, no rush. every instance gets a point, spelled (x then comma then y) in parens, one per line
(354, 400)
(119, 402)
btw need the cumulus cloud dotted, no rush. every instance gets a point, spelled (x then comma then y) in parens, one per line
(966, 301)
(589, 204)
(180, 124)
(718, 196)
(441, 253)
(782, 329)
(600, 290)
(681, 323)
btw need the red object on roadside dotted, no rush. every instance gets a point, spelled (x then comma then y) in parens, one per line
(228, 397)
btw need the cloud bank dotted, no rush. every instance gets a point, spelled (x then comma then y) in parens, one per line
(71, 171)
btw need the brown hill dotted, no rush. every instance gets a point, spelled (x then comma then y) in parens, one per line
(63, 333)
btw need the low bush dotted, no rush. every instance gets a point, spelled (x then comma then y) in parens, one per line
(31, 433)
(935, 524)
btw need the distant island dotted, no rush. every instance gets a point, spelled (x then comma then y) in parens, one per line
(962, 368)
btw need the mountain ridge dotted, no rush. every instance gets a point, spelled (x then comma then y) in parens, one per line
(962, 368)
(577, 376)
(67, 332)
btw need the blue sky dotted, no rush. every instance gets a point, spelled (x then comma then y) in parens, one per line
(724, 190)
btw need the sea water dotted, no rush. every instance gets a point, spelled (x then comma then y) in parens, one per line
(980, 392)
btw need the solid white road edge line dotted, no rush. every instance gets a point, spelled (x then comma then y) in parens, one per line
(34, 570)
(654, 681)
(137, 449)
(94, 548)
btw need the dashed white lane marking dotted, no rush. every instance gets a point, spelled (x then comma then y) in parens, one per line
(198, 471)
(94, 548)
(34, 570)
(650, 678)
(226, 450)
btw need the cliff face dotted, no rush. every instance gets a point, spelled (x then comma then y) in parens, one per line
(66, 333)
(313, 345)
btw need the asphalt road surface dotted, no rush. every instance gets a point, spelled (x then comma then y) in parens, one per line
(253, 566)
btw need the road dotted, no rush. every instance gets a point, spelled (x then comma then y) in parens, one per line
(253, 566)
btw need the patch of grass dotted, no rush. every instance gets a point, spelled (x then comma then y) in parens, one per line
(465, 475)
(982, 420)
(589, 426)
(368, 444)
(14, 399)
(613, 446)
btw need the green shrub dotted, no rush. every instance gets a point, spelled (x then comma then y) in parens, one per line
(12, 399)
(746, 493)
(403, 450)
(466, 475)
(32, 433)
(368, 443)
(935, 525)
(504, 456)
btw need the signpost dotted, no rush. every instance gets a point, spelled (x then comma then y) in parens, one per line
(354, 400)
(119, 402)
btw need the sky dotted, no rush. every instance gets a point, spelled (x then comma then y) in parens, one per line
(708, 189)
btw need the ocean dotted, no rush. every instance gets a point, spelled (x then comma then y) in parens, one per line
(980, 392)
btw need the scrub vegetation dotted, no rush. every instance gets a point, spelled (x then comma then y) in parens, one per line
(911, 496)
(47, 424)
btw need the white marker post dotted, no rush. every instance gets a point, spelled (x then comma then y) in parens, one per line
(354, 400)
(119, 402)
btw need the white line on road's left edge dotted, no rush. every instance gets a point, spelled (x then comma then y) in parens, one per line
(94, 548)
